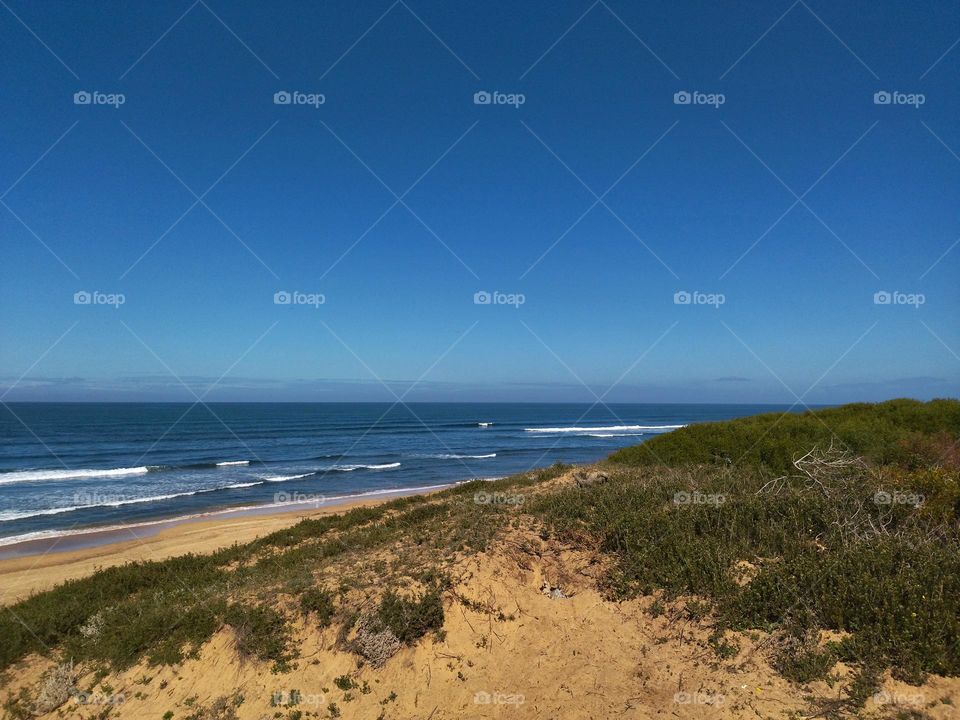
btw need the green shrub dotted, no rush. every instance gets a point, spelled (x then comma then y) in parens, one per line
(163, 589)
(319, 602)
(884, 433)
(345, 682)
(261, 632)
(801, 659)
(411, 618)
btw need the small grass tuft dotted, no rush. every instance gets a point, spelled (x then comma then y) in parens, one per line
(261, 632)
(318, 601)
(409, 619)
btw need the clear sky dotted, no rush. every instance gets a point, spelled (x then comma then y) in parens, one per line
(782, 198)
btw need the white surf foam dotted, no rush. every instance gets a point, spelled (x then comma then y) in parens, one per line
(284, 478)
(67, 474)
(351, 468)
(607, 428)
(15, 515)
(230, 463)
(454, 456)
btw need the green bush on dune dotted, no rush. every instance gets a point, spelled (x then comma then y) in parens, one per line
(411, 618)
(881, 433)
(260, 632)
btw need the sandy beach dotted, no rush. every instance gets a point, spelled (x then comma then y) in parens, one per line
(36, 565)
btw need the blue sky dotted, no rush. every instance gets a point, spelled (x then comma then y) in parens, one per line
(597, 200)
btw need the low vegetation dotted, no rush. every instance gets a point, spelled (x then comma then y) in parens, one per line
(852, 537)
(409, 619)
(836, 532)
(318, 601)
(260, 632)
(900, 432)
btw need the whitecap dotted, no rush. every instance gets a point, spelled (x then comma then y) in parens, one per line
(607, 428)
(67, 474)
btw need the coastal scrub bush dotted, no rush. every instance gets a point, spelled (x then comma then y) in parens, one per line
(314, 528)
(919, 450)
(395, 622)
(162, 628)
(318, 601)
(55, 617)
(260, 631)
(345, 682)
(409, 619)
(799, 656)
(905, 432)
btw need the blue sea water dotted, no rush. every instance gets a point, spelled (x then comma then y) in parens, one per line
(69, 466)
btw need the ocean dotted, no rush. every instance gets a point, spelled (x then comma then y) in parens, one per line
(70, 466)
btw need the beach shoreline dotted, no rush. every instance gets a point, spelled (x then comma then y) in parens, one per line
(34, 565)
